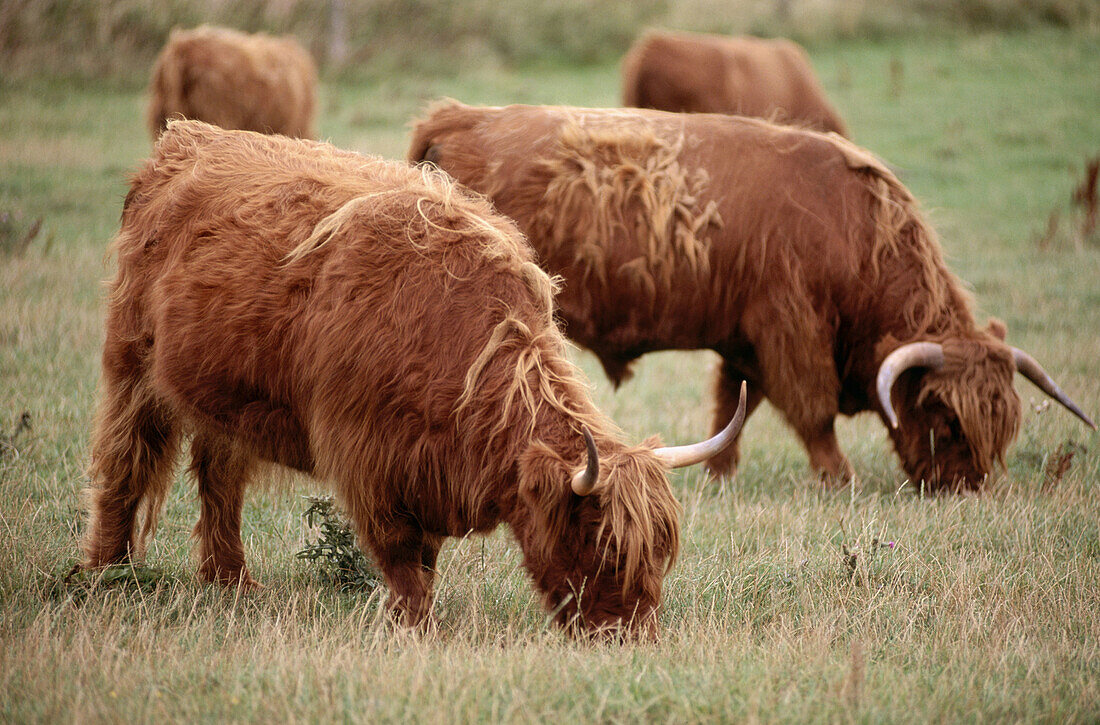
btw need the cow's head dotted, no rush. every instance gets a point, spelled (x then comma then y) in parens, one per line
(956, 409)
(602, 536)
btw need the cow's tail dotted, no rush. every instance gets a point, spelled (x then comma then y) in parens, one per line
(135, 439)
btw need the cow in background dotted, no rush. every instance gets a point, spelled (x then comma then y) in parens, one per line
(695, 73)
(234, 80)
(795, 255)
(378, 327)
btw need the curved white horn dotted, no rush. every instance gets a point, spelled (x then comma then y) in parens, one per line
(912, 355)
(585, 479)
(1029, 367)
(680, 456)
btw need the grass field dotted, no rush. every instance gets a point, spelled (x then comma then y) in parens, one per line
(987, 607)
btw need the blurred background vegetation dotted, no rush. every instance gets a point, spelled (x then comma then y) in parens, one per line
(361, 38)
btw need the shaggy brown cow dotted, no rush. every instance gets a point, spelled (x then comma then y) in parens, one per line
(796, 256)
(690, 72)
(376, 326)
(234, 80)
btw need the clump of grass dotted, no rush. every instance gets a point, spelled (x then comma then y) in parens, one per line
(1080, 227)
(9, 441)
(17, 233)
(78, 583)
(1086, 199)
(1059, 463)
(859, 555)
(339, 558)
(1032, 457)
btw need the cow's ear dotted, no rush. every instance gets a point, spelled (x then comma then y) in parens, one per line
(544, 476)
(997, 329)
(544, 489)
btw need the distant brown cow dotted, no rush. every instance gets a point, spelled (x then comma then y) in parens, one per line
(234, 80)
(795, 255)
(690, 72)
(378, 327)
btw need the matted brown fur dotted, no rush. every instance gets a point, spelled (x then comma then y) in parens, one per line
(820, 267)
(698, 73)
(379, 328)
(605, 188)
(253, 82)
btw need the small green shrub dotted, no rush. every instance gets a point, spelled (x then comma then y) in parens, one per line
(339, 558)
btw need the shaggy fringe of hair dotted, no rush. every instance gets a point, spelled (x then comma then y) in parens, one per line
(976, 380)
(978, 386)
(899, 230)
(445, 201)
(635, 522)
(605, 184)
(534, 382)
(538, 380)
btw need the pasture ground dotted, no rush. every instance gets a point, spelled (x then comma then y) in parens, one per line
(987, 607)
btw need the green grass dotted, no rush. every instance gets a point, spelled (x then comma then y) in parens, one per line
(988, 607)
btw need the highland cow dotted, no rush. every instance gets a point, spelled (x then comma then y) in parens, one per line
(796, 256)
(378, 327)
(694, 73)
(234, 80)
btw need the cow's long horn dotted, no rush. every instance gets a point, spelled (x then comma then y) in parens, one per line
(1030, 368)
(913, 355)
(680, 456)
(585, 479)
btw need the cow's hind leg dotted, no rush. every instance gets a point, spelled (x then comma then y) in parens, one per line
(134, 445)
(222, 470)
(727, 394)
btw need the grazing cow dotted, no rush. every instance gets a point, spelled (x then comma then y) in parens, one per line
(234, 80)
(795, 255)
(694, 73)
(377, 326)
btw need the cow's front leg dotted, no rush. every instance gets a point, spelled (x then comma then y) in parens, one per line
(407, 554)
(794, 352)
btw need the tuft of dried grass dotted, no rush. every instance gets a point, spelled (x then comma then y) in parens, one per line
(1058, 465)
(1081, 218)
(17, 233)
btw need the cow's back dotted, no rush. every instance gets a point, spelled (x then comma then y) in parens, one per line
(291, 277)
(663, 72)
(235, 81)
(648, 215)
(698, 73)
